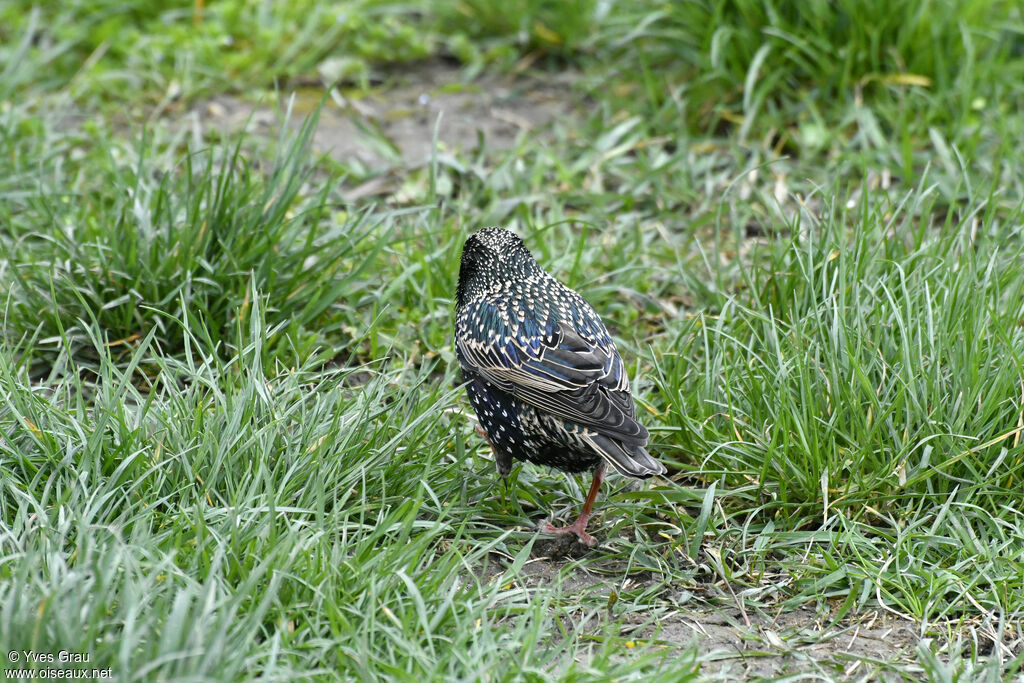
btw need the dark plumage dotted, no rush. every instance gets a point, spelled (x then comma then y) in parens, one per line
(542, 372)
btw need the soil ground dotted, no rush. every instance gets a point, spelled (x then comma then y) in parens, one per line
(738, 643)
(392, 131)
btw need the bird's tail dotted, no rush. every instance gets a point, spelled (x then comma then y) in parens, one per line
(631, 460)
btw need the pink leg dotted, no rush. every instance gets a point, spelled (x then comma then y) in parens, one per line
(579, 527)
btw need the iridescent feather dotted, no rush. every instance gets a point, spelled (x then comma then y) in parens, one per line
(542, 372)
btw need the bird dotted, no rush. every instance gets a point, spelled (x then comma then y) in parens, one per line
(542, 373)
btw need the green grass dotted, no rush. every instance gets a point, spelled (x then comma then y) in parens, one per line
(745, 61)
(233, 444)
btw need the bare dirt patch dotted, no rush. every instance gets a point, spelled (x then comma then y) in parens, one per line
(790, 642)
(393, 128)
(735, 644)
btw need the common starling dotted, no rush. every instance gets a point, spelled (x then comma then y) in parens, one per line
(542, 372)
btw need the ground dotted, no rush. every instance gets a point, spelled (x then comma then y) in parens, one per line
(393, 129)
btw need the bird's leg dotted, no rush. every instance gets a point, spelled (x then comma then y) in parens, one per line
(579, 527)
(503, 472)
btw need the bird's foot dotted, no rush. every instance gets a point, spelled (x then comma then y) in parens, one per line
(577, 528)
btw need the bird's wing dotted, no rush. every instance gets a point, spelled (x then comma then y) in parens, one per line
(554, 368)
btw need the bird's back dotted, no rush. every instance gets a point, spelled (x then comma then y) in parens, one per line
(543, 373)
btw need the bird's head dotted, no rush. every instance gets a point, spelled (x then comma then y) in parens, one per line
(489, 256)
